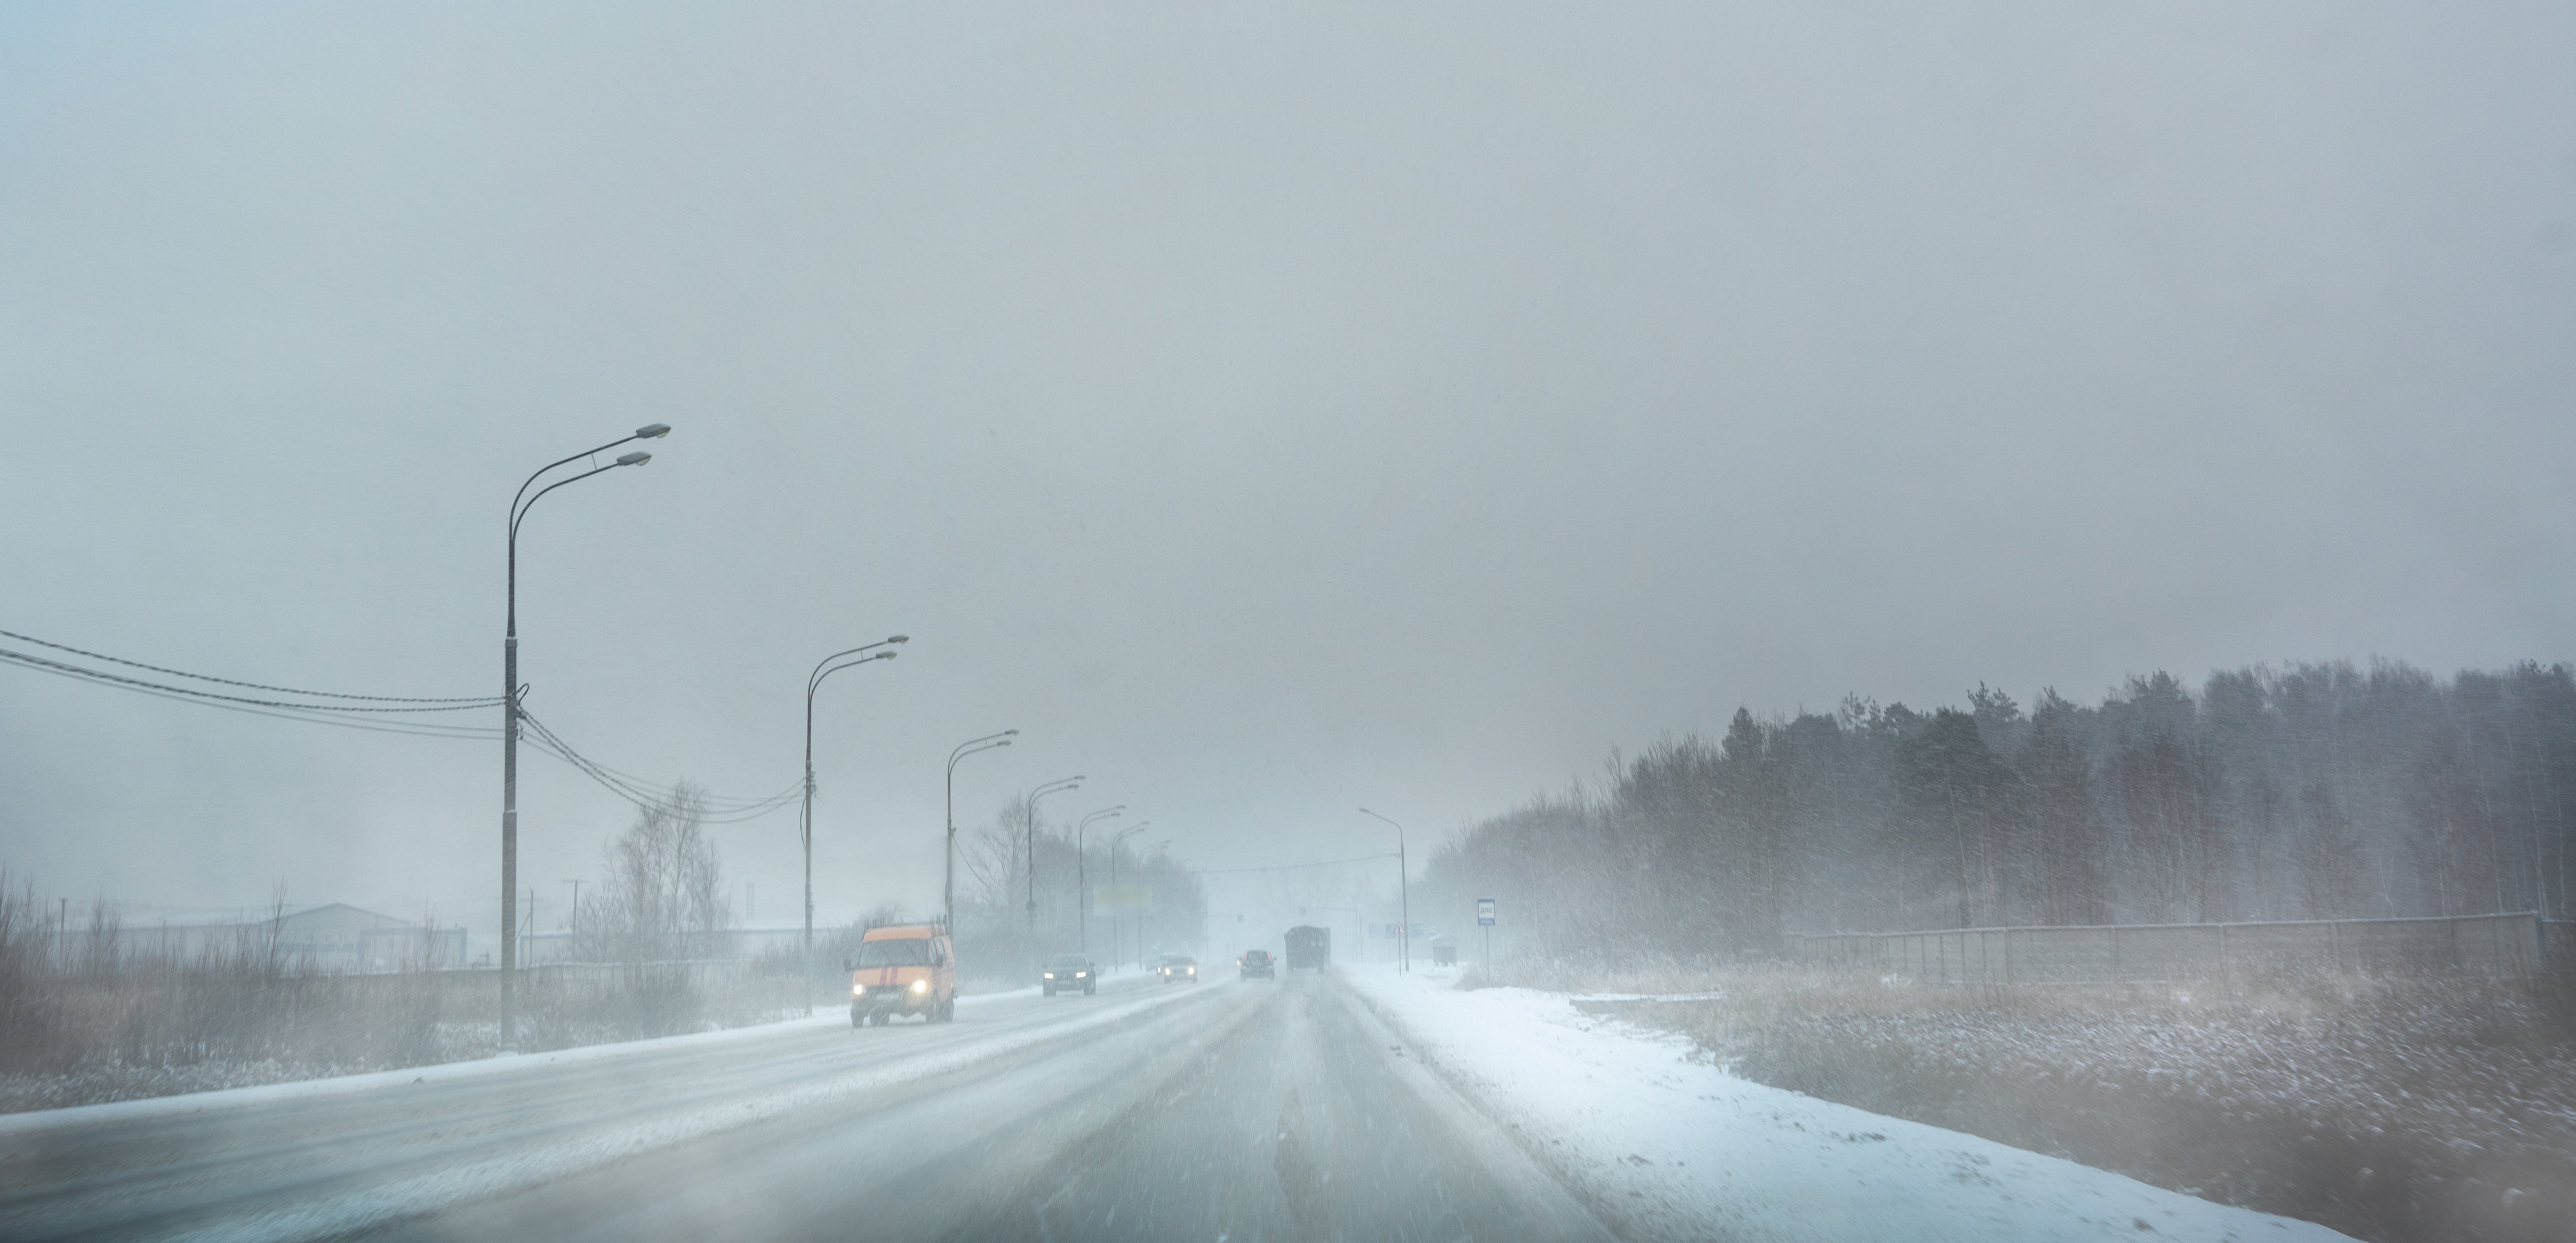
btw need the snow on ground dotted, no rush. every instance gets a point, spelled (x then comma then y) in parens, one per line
(1679, 1147)
(506, 1063)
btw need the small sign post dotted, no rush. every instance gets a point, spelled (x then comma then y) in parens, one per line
(1485, 920)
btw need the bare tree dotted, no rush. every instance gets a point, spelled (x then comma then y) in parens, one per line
(663, 897)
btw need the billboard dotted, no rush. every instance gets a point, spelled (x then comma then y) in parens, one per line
(1122, 899)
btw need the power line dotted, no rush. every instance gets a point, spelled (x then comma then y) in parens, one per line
(642, 793)
(634, 789)
(104, 676)
(424, 729)
(644, 784)
(1287, 867)
(486, 701)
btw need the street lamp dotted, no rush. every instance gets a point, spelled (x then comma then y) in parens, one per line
(1052, 787)
(576, 918)
(520, 504)
(1404, 892)
(1114, 839)
(1082, 876)
(805, 819)
(948, 885)
(1157, 848)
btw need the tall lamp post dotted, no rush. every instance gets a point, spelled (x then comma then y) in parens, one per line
(1053, 787)
(1157, 848)
(948, 883)
(1082, 876)
(520, 504)
(1122, 835)
(1404, 891)
(823, 668)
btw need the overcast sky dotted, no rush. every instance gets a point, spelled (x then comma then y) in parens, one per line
(1269, 409)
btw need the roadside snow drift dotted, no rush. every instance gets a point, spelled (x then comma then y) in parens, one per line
(1676, 1147)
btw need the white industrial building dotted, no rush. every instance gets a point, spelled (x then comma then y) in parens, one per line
(335, 937)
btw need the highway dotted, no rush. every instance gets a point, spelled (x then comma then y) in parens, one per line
(1235, 1111)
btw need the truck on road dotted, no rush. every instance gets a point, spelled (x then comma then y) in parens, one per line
(1310, 947)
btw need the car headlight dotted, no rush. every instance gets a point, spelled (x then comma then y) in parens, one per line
(921, 986)
(858, 990)
(1082, 975)
(1050, 975)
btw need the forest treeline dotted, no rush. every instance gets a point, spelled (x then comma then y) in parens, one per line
(2321, 790)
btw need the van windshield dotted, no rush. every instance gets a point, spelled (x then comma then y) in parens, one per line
(911, 952)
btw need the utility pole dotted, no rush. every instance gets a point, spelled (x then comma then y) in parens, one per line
(1113, 883)
(520, 504)
(1404, 893)
(948, 875)
(575, 922)
(805, 819)
(1082, 876)
(1052, 787)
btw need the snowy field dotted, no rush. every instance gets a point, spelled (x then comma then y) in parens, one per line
(1676, 1147)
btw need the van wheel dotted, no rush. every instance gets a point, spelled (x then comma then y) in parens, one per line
(857, 1017)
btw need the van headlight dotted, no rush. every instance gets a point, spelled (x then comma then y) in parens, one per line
(921, 986)
(858, 990)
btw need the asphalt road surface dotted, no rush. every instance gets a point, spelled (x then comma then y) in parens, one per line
(1233, 1111)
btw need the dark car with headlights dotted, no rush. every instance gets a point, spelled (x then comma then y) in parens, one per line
(1068, 972)
(1179, 969)
(1257, 964)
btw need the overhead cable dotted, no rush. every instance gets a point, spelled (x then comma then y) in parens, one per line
(424, 729)
(102, 675)
(367, 712)
(1288, 867)
(487, 701)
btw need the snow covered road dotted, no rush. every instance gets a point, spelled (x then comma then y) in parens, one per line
(1252, 1110)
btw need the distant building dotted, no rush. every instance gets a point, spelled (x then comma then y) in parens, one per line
(336, 937)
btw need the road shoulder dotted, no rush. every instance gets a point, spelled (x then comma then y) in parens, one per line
(1664, 1146)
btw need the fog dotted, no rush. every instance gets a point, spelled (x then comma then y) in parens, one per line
(1268, 412)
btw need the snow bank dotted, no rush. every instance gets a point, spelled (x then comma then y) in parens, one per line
(1676, 1147)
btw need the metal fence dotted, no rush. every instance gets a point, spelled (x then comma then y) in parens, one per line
(2496, 945)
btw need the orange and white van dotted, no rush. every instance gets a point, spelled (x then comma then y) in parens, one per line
(903, 969)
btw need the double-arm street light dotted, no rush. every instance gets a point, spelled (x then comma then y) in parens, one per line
(1115, 838)
(520, 503)
(948, 883)
(1052, 787)
(1082, 876)
(824, 668)
(1404, 891)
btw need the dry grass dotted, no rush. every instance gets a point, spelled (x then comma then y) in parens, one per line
(83, 1019)
(2392, 1108)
